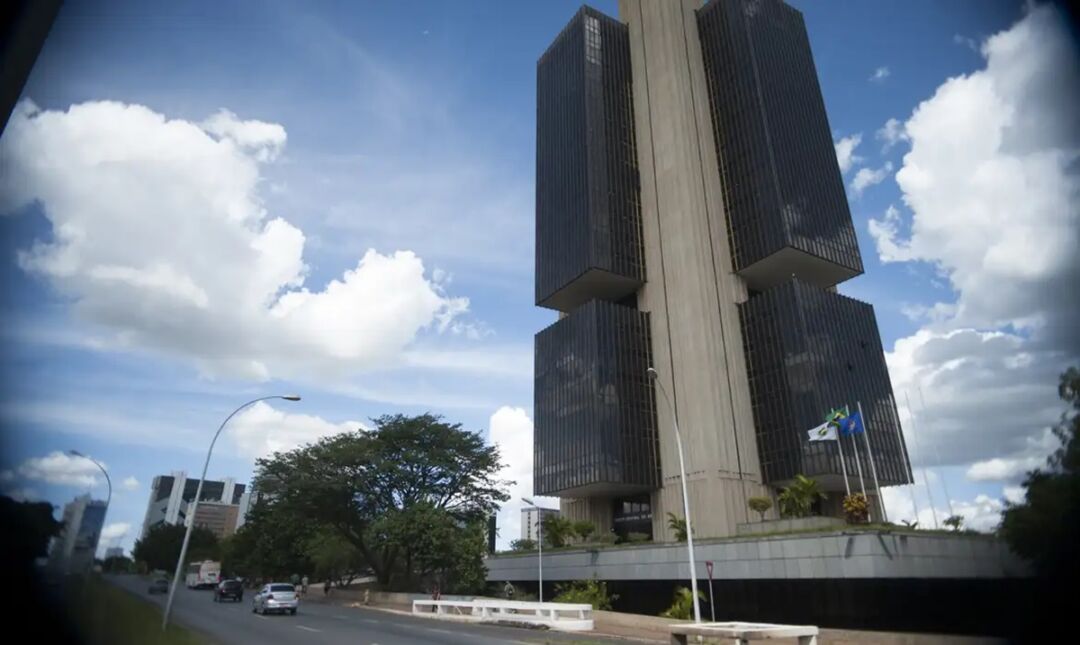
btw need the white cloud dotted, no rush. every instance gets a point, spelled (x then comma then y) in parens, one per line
(112, 535)
(991, 185)
(160, 238)
(22, 494)
(970, 43)
(998, 469)
(989, 180)
(1014, 494)
(130, 483)
(983, 513)
(262, 430)
(845, 151)
(511, 430)
(867, 177)
(890, 134)
(56, 468)
(880, 74)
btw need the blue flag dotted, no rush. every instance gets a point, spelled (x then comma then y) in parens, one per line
(851, 424)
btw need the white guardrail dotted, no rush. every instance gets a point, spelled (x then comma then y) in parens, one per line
(560, 616)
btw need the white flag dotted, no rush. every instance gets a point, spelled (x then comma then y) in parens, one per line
(824, 432)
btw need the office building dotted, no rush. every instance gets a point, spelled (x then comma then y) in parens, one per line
(171, 495)
(531, 519)
(691, 216)
(114, 552)
(74, 548)
(220, 519)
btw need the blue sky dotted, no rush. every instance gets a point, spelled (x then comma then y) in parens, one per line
(409, 126)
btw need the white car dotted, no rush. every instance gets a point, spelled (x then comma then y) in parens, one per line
(277, 597)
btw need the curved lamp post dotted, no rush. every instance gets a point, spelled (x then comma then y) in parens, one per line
(539, 541)
(108, 500)
(190, 518)
(685, 499)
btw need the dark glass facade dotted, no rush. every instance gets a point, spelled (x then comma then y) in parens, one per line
(595, 417)
(778, 171)
(809, 351)
(588, 216)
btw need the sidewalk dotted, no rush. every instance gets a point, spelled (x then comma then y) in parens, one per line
(651, 629)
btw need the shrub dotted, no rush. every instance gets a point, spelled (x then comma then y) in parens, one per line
(637, 538)
(523, 545)
(584, 529)
(955, 522)
(857, 508)
(683, 605)
(678, 526)
(557, 530)
(798, 498)
(759, 505)
(592, 592)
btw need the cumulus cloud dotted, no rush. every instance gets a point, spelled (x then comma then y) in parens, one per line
(867, 177)
(511, 430)
(262, 430)
(845, 151)
(991, 188)
(880, 74)
(57, 468)
(21, 494)
(112, 535)
(890, 134)
(160, 238)
(130, 483)
(983, 513)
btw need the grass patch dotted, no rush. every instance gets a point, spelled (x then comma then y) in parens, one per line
(107, 615)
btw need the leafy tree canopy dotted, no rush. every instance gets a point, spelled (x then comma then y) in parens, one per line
(161, 546)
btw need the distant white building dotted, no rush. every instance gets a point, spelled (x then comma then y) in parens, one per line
(530, 521)
(114, 552)
(171, 496)
(73, 550)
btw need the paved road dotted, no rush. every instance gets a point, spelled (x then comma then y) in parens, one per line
(315, 623)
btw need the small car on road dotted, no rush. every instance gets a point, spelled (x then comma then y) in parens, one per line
(279, 597)
(231, 589)
(159, 585)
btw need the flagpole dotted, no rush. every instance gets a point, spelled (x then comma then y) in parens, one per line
(914, 440)
(858, 463)
(937, 458)
(870, 454)
(843, 466)
(905, 453)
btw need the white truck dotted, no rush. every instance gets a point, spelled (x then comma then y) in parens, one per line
(201, 575)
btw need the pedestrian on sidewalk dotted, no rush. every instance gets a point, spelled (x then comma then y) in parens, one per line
(303, 585)
(508, 589)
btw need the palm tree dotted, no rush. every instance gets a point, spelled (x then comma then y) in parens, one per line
(678, 525)
(798, 498)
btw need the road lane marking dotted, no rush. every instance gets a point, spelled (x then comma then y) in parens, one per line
(370, 620)
(339, 617)
(441, 631)
(308, 629)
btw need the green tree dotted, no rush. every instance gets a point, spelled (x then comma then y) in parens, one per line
(759, 505)
(160, 548)
(797, 499)
(271, 543)
(118, 564)
(955, 522)
(1045, 527)
(29, 527)
(677, 526)
(682, 607)
(584, 529)
(557, 530)
(592, 592)
(523, 545)
(406, 494)
(332, 557)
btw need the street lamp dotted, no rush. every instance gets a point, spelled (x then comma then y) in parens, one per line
(195, 504)
(685, 499)
(76, 453)
(539, 541)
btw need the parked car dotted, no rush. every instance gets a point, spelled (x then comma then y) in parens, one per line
(231, 589)
(277, 597)
(159, 585)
